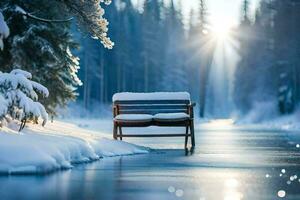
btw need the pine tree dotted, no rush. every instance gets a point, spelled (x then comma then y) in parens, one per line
(200, 55)
(244, 74)
(285, 52)
(43, 49)
(175, 77)
(151, 26)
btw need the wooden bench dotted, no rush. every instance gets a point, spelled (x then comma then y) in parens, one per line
(173, 109)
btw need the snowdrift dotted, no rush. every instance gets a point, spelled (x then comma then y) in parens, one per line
(56, 146)
(266, 114)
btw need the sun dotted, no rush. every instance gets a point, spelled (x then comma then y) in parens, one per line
(221, 28)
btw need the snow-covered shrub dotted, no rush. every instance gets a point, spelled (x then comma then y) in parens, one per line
(19, 95)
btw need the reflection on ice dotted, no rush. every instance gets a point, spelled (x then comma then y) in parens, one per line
(233, 195)
(231, 190)
(281, 193)
(219, 124)
(171, 189)
(179, 193)
(231, 183)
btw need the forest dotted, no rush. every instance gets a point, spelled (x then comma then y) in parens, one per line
(156, 51)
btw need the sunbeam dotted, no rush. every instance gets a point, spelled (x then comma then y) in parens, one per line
(221, 28)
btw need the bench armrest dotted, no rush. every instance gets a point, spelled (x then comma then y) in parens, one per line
(191, 109)
(115, 110)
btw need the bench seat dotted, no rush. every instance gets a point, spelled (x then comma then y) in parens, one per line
(171, 117)
(160, 117)
(133, 118)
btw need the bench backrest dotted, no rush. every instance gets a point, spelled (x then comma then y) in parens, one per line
(151, 103)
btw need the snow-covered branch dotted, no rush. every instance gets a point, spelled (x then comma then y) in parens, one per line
(89, 15)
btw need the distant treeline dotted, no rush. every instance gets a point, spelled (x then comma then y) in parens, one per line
(154, 52)
(269, 69)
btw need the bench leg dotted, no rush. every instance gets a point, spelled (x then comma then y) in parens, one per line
(115, 131)
(120, 130)
(192, 133)
(186, 137)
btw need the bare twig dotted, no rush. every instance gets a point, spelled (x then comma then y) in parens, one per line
(31, 16)
(47, 20)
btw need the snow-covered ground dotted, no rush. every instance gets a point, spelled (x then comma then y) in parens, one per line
(58, 145)
(63, 143)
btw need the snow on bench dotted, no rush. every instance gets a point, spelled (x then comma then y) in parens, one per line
(130, 96)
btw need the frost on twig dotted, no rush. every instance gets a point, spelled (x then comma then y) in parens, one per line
(90, 15)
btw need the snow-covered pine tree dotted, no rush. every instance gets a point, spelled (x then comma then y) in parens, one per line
(4, 30)
(43, 49)
(89, 14)
(18, 97)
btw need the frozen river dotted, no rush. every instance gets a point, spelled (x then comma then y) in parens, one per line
(229, 163)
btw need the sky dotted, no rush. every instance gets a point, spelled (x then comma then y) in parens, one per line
(219, 10)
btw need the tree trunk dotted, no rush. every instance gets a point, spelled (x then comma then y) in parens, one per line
(202, 90)
(146, 74)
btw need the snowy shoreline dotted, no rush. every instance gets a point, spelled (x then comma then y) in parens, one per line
(57, 146)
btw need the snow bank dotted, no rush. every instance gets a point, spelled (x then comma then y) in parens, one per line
(261, 111)
(265, 114)
(57, 146)
(127, 96)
